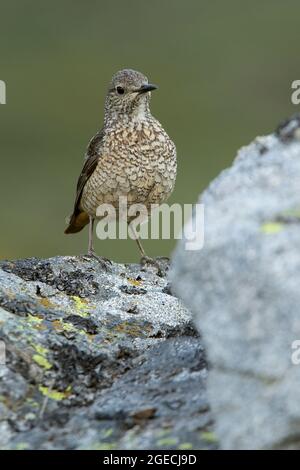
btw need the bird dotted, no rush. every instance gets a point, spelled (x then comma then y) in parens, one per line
(131, 156)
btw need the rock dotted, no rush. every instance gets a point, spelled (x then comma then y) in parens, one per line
(243, 288)
(98, 359)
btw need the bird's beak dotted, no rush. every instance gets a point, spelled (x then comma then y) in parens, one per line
(147, 87)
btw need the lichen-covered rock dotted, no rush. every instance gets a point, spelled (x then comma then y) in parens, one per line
(97, 359)
(244, 290)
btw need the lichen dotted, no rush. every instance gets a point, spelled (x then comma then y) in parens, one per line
(185, 446)
(167, 441)
(104, 446)
(293, 213)
(34, 319)
(107, 432)
(35, 322)
(40, 349)
(60, 325)
(22, 446)
(82, 307)
(55, 394)
(270, 228)
(46, 303)
(208, 437)
(42, 361)
(134, 282)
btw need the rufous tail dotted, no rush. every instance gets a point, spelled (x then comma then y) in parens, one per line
(77, 222)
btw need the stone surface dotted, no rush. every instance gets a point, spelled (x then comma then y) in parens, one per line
(244, 290)
(98, 359)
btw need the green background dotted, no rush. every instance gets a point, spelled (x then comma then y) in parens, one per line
(224, 70)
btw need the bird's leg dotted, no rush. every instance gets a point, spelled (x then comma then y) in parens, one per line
(144, 258)
(91, 252)
(138, 241)
(140, 247)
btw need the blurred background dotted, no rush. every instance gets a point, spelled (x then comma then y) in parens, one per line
(224, 71)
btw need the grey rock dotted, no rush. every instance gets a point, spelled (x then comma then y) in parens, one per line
(98, 359)
(243, 288)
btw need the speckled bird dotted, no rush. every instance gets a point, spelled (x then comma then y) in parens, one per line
(130, 156)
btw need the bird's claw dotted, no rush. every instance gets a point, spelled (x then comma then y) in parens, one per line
(103, 261)
(161, 271)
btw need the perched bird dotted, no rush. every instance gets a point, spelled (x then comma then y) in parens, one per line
(130, 156)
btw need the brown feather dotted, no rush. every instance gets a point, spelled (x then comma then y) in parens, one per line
(77, 222)
(80, 218)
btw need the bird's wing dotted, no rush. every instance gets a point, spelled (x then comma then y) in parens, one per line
(79, 219)
(91, 161)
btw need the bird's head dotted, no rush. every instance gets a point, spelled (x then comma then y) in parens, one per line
(128, 95)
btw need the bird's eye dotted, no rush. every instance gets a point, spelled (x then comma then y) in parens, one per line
(120, 90)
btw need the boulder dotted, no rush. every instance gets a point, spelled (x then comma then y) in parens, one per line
(243, 288)
(98, 359)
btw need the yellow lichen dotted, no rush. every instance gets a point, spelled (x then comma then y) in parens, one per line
(104, 446)
(294, 213)
(22, 446)
(167, 442)
(42, 361)
(82, 307)
(55, 394)
(185, 446)
(134, 282)
(40, 349)
(60, 326)
(34, 319)
(108, 432)
(270, 228)
(36, 322)
(208, 437)
(46, 303)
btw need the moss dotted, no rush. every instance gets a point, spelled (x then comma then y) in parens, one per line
(42, 361)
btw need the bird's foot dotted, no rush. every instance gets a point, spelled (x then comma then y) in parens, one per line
(160, 263)
(103, 261)
(166, 259)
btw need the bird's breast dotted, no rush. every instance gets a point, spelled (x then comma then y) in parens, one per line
(139, 163)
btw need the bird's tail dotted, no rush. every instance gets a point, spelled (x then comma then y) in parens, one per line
(77, 222)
